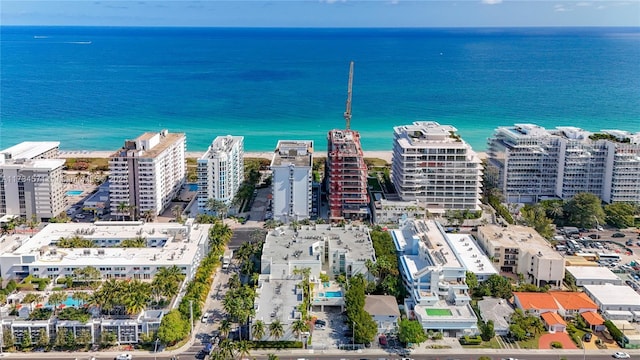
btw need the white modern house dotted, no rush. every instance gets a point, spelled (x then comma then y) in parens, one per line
(530, 163)
(433, 267)
(433, 165)
(221, 171)
(147, 173)
(31, 181)
(292, 178)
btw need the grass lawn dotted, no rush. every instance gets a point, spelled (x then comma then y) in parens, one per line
(491, 344)
(374, 183)
(531, 343)
(438, 312)
(97, 164)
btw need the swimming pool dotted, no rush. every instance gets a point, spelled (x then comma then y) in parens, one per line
(68, 302)
(333, 294)
(74, 192)
(193, 187)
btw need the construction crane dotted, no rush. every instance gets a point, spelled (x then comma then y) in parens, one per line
(347, 112)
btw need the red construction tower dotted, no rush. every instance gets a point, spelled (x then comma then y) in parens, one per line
(346, 169)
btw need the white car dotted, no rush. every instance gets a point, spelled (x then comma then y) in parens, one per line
(205, 317)
(124, 357)
(621, 355)
(80, 216)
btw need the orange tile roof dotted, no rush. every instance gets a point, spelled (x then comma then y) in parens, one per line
(573, 300)
(592, 318)
(552, 318)
(536, 301)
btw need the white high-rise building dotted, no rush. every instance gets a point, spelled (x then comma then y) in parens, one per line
(31, 181)
(529, 163)
(221, 170)
(147, 173)
(292, 166)
(434, 166)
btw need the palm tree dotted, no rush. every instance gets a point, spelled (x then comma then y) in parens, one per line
(225, 349)
(258, 330)
(276, 330)
(218, 207)
(272, 357)
(33, 223)
(122, 207)
(176, 211)
(148, 215)
(298, 327)
(81, 297)
(131, 209)
(225, 327)
(243, 347)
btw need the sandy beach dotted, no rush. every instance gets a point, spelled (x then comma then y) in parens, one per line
(384, 155)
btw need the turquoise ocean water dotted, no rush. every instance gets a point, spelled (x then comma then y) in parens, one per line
(92, 88)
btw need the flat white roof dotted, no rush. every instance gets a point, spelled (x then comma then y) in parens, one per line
(169, 244)
(30, 149)
(467, 250)
(592, 272)
(277, 299)
(36, 164)
(518, 237)
(609, 294)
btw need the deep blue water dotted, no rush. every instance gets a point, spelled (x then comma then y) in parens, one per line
(92, 88)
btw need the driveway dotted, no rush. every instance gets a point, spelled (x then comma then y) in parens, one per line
(545, 341)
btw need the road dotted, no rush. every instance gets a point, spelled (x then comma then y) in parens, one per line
(287, 356)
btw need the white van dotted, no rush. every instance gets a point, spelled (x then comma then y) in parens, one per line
(205, 317)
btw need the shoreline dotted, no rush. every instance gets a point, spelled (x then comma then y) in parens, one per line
(384, 155)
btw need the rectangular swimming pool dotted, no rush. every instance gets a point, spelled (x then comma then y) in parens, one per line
(74, 192)
(438, 312)
(333, 294)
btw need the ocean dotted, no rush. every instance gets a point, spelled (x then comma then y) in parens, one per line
(93, 87)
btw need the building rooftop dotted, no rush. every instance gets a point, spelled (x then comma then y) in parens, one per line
(283, 245)
(221, 146)
(592, 318)
(519, 237)
(35, 164)
(30, 149)
(570, 300)
(166, 139)
(381, 305)
(536, 301)
(592, 272)
(497, 310)
(292, 152)
(609, 294)
(552, 318)
(471, 256)
(277, 299)
(168, 244)
(345, 142)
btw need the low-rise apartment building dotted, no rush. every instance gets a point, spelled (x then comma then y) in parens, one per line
(168, 244)
(521, 250)
(615, 302)
(31, 181)
(292, 179)
(593, 275)
(221, 171)
(321, 248)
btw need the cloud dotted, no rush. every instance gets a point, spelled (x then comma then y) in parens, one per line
(394, 2)
(332, 1)
(491, 2)
(559, 8)
(583, 4)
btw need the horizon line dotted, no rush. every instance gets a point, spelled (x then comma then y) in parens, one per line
(333, 27)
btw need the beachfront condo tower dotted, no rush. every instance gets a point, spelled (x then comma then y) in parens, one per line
(31, 181)
(529, 163)
(346, 176)
(432, 165)
(220, 171)
(292, 179)
(147, 173)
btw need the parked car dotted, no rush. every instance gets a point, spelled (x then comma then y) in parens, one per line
(594, 236)
(205, 317)
(621, 355)
(617, 235)
(80, 216)
(123, 357)
(382, 340)
(586, 337)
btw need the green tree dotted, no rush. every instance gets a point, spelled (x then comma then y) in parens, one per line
(258, 330)
(472, 281)
(225, 327)
(217, 207)
(272, 357)
(298, 327)
(620, 215)
(411, 331)
(173, 328)
(57, 298)
(243, 348)
(276, 330)
(487, 331)
(536, 217)
(584, 210)
(26, 340)
(43, 338)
